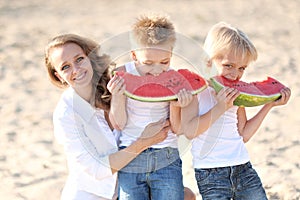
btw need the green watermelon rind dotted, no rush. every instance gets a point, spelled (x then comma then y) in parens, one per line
(160, 99)
(247, 100)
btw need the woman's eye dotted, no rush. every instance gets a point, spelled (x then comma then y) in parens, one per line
(65, 67)
(165, 63)
(79, 59)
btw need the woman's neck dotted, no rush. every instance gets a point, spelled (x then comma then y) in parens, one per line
(87, 93)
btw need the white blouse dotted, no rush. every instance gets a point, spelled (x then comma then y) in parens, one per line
(87, 141)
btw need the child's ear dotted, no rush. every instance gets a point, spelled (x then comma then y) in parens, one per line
(133, 55)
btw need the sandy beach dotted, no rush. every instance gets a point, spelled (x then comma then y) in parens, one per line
(32, 164)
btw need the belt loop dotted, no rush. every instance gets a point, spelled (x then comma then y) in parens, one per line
(249, 164)
(169, 152)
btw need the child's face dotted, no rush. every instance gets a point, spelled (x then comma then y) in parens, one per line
(152, 61)
(231, 66)
(72, 65)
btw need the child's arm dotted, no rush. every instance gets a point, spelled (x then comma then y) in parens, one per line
(194, 125)
(175, 112)
(247, 128)
(117, 113)
(184, 98)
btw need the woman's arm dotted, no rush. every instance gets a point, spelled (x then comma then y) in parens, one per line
(152, 134)
(81, 152)
(247, 128)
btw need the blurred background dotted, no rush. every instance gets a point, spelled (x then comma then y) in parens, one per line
(32, 164)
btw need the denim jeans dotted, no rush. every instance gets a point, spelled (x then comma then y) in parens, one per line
(239, 182)
(155, 174)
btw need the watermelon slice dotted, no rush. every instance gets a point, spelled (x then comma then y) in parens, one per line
(251, 94)
(163, 87)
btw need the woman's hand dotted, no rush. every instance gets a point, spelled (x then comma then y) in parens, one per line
(155, 133)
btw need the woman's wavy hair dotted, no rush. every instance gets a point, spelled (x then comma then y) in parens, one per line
(101, 65)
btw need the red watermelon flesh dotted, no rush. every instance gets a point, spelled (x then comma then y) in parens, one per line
(267, 87)
(163, 87)
(252, 94)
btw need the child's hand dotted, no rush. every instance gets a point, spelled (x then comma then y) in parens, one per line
(226, 96)
(116, 86)
(285, 96)
(184, 98)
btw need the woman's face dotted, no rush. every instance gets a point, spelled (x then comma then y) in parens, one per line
(72, 66)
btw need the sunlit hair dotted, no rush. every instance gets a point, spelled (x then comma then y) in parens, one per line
(222, 37)
(101, 65)
(153, 29)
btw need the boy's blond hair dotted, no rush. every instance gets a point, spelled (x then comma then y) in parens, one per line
(153, 29)
(223, 37)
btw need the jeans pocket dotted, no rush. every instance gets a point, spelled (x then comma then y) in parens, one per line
(177, 163)
(202, 175)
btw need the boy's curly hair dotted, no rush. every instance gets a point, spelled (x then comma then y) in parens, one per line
(153, 29)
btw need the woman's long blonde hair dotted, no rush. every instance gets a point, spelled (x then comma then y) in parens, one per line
(101, 65)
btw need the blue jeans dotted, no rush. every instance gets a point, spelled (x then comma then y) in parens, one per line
(239, 182)
(155, 174)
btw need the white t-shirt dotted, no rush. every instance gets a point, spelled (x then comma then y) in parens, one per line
(140, 114)
(221, 145)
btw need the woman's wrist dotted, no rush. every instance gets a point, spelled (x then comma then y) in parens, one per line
(138, 146)
(142, 144)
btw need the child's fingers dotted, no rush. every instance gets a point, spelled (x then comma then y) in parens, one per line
(120, 90)
(111, 81)
(184, 97)
(233, 94)
(120, 82)
(236, 94)
(287, 92)
(285, 95)
(116, 85)
(224, 92)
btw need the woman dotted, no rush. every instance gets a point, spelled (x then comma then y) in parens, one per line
(81, 121)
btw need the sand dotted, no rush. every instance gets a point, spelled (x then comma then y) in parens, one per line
(32, 164)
